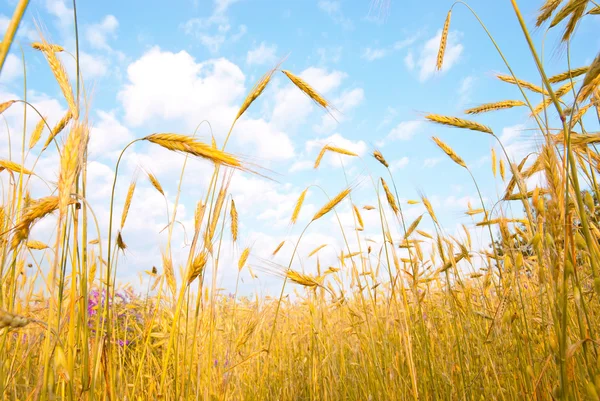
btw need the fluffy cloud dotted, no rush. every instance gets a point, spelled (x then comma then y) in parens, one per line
(516, 146)
(370, 54)
(405, 130)
(262, 54)
(333, 8)
(398, 164)
(107, 135)
(98, 34)
(59, 9)
(25, 30)
(173, 86)
(12, 69)
(426, 61)
(432, 162)
(215, 30)
(265, 140)
(329, 55)
(344, 103)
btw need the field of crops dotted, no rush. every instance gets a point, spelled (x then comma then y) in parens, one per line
(423, 315)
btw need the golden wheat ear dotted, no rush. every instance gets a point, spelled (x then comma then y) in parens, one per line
(443, 42)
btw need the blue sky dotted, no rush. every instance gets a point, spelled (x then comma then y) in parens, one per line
(155, 66)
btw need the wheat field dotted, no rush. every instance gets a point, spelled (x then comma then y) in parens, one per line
(424, 316)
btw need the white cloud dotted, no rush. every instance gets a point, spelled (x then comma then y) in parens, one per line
(92, 66)
(329, 55)
(390, 113)
(59, 9)
(222, 5)
(107, 135)
(25, 31)
(401, 44)
(12, 69)
(301, 166)
(370, 54)
(398, 164)
(409, 61)
(432, 162)
(97, 34)
(347, 101)
(515, 145)
(333, 8)
(186, 90)
(264, 140)
(334, 159)
(465, 89)
(428, 55)
(405, 130)
(214, 31)
(262, 54)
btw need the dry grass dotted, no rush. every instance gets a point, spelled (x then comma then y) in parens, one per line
(405, 308)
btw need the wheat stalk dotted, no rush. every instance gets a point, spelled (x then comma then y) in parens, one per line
(198, 216)
(317, 249)
(575, 17)
(60, 74)
(591, 80)
(198, 265)
(568, 9)
(390, 198)
(458, 123)
(37, 133)
(358, 217)
(71, 162)
(443, 41)
(128, 199)
(37, 210)
(429, 208)
(298, 206)
(511, 80)
(255, 93)
(58, 128)
(120, 242)
(186, 144)
(560, 92)
(37, 245)
(303, 279)
(368, 207)
(169, 273)
(379, 157)
(234, 221)
(214, 217)
(14, 167)
(331, 204)
(307, 89)
(573, 73)
(450, 152)
(487, 107)
(278, 248)
(546, 11)
(243, 258)
(44, 47)
(6, 105)
(412, 227)
(155, 183)
(332, 149)
(494, 161)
